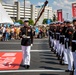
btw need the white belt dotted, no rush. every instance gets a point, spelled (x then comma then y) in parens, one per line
(62, 35)
(52, 33)
(28, 36)
(73, 40)
(57, 33)
(66, 39)
(24, 36)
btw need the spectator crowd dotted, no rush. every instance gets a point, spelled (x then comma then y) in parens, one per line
(8, 33)
(12, 32)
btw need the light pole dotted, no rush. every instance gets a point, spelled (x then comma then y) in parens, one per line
(48, 14)
(13, 13)
(67, 15)
(1, 19)
(24, 9)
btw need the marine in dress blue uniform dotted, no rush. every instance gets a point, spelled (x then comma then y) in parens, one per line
(74, 45)
(68, 35)
(27, 40)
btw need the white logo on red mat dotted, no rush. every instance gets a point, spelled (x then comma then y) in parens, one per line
(7, 59)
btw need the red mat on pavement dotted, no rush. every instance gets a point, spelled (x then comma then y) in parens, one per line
(10, 60)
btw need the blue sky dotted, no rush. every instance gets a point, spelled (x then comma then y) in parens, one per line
(65, 5)
(36, 1)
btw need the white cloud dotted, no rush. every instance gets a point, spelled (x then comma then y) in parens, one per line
(40, 3)
(55, 3)
(27, 3)
(9, 1)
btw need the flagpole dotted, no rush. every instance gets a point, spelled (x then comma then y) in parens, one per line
(24, 9)
(67, 15)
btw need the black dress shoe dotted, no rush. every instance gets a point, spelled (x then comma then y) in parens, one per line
(61, 62)
(54, 52)
(57, 54)
(64, 64)
(68, 70)
(27, 67)
(58, 57)
(22, 65)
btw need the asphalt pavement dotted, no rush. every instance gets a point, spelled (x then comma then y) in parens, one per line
(43, 61)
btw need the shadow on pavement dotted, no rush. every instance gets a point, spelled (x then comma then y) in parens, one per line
(51, 68)
(50, 62)
(49, 74)
(47, 54)
(48, 58)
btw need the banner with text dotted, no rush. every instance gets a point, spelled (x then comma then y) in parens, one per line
(59, 15)
(74, 10)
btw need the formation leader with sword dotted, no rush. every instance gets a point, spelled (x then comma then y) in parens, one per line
(26, 42)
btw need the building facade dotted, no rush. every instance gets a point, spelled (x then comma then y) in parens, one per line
(16, 12)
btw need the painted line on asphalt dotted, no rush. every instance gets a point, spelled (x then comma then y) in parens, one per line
(40, 39)
(19, 43)
(34, 70)
(21, 50)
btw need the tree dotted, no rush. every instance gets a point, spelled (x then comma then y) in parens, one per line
(51, 20)
(44, 21)
(20, 21)
(54, 18)
(31, 22)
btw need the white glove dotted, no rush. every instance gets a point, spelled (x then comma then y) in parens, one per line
(24, 36)
(31, 45)
(70, 47)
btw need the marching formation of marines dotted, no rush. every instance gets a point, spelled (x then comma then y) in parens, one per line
(62, 41)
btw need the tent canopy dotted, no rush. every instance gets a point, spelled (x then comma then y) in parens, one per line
(4, 17)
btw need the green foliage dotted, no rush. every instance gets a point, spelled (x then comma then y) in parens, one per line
(45, 21)
(20, 21)
(31, 22)
(51, 20)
